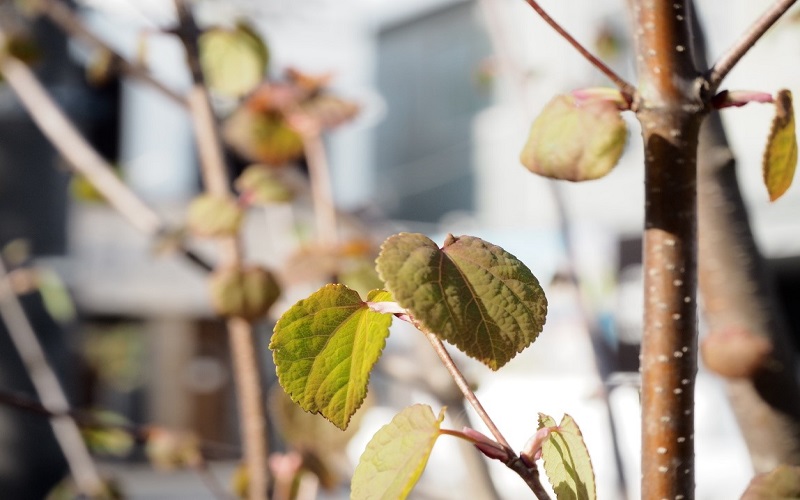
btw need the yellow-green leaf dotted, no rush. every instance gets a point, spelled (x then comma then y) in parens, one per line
(262, 136)
(324, 348)
(566, 460)
(780, 157)
(575, 139)
(783, 482)
(214, 216)
(470, 293)
(234, 61)
(396, 455)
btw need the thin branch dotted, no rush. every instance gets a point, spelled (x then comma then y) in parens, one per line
(245, 361)
(748, 39)
(626, 88)
(49, 389)
(82, 158)
(529, 474)
(463, 385)
(319, 174)
(60, 14)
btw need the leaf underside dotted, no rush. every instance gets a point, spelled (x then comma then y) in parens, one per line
(470, 293)
(396, 455)
(566, 460)
(780, 157)
(324, 348)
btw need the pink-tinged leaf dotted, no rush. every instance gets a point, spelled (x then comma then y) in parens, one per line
(780, 157)
(575, 139)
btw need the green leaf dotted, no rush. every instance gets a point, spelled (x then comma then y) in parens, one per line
(780, 157)
(262, 136)
(566, 460)
(783, 482)
(234, 61)
(214, 216)
(396, 455)
(324, 348)
(258, 184)
(470, 293)
(246, 292)
(575, 139)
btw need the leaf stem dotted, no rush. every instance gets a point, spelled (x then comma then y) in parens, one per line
(626, 88)
(748, 39)
(463, 385)
(81, 157)
(529, 474)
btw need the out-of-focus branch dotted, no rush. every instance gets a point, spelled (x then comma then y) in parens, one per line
(215, 177)
(739, 297)
(749, 38)
(60, 14)
(82, 158)
(626, 88)
(49, 390)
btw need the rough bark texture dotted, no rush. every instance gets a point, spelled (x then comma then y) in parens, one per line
(670, 108)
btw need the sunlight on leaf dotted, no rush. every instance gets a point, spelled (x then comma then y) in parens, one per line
(470, 293)
(396, 455)
(780, 157)
(781, 483)
(566, 460)
(324, 348)
(575, 139)
(234, 60)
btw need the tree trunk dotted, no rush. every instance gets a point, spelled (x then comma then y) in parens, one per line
(670, 107)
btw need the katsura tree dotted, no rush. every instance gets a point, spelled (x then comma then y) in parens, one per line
(482, 300)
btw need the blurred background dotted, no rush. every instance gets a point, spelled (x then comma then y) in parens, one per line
(446, 91)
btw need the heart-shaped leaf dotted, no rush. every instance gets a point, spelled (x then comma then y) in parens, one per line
(324, 348)
(396, 455)
(566, 460)
(780, 157)
(470, 293)
(575, 139)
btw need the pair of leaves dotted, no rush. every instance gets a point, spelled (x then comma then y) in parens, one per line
(470, 293)
(397, 454)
